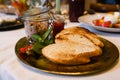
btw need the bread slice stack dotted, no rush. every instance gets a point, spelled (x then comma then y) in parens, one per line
(73, 46)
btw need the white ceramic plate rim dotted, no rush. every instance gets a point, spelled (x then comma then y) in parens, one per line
(87, 19)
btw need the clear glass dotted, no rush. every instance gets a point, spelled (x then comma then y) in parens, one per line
(36, 23)
(35, 27)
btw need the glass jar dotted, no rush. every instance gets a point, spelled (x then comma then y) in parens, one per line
(58, 23)
(36, 21)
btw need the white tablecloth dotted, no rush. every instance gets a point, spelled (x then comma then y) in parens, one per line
(12, 69)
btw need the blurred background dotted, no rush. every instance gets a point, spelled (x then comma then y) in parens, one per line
(96, 5)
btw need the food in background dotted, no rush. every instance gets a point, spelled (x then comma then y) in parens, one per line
(110, 20)
(8, 19)
(20, 6)
(102, 22)
(7, 9)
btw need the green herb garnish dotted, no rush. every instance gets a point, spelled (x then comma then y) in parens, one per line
(42, 41)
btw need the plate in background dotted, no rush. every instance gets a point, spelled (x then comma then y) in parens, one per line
(87, 19)
(11, 26)
(9, 22)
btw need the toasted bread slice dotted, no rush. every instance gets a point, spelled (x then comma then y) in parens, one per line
(82, 31)
(76, 38)
(70, 53)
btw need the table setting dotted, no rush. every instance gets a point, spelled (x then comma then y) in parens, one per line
(50, 46)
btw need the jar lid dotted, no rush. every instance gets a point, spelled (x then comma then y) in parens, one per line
(35, 11)
(36, 14)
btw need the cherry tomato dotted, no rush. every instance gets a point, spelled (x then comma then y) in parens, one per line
(24, 49)
(101, 22)
(98, 22)
(106, 24)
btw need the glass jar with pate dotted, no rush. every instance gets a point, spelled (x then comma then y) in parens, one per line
(36, 21)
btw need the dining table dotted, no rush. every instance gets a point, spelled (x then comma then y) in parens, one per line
(12, 68)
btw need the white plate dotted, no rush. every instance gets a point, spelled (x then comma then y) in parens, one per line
(87, 19)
